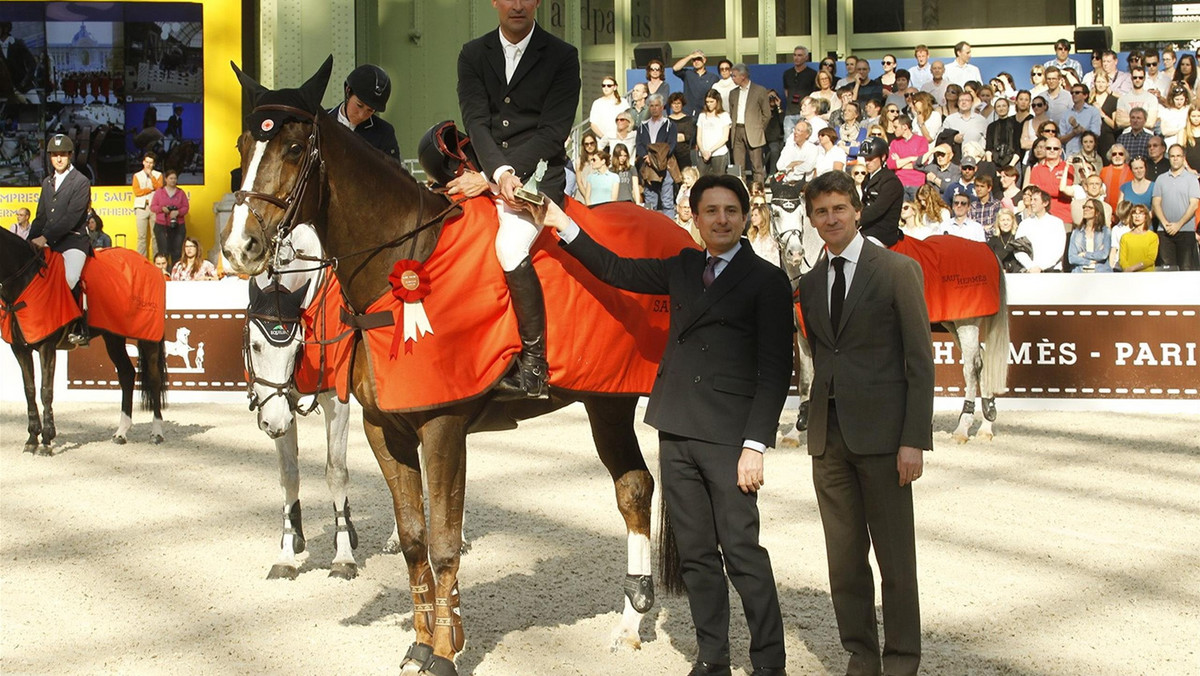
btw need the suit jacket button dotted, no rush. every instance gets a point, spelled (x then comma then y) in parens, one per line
(836, 351)
(681, 339)
(696, 379)
(504, 144)
(505, 123)
(704, 348)
(508, 99)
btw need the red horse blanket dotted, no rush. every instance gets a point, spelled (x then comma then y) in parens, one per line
(126, 294)
(962, 277)
(43, 307)
(599, 339)
(325, 358)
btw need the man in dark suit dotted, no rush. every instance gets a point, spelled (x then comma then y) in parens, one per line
(716, 404)
(61, 221)
(656, 138)
(882, 194)
(749, 133)
(518, 89)
(871, 418)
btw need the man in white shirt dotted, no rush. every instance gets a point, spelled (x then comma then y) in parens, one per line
(1119, 82)
(1137, 97)
(1157, 82)
(799, 157)
(960, 71)
(922, 72)
(959, 224)
(1044, 231)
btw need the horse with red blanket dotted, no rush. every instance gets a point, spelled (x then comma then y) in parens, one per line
(435, 333)
(126, 299)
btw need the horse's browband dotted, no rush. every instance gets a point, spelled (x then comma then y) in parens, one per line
(286, 109)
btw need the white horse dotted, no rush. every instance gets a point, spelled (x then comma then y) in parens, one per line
(180, 347)
(983, 341)
(799, 249)
(272, 346)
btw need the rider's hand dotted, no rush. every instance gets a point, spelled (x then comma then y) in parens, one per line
(470, 184)
(509, 184)
(39, 242)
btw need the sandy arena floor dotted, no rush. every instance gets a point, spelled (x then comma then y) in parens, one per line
(1066, 546)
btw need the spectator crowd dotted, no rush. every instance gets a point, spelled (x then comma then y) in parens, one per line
(1082, 169)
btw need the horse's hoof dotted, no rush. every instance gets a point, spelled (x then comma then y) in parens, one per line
(789, 440)
(415, 658)
(119, 439)
(984, 436)
(156, 439)
(623, 642)
(282, 571)
(391, 547)
(31, 447)
(45, 450)
(344, 571)
(961, 438)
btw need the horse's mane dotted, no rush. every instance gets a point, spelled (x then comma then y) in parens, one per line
(16, 252)
(363, 152)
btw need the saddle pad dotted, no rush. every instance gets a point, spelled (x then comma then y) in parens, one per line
(962, 277)
(599, 339)
(322, 321)
(126, 294)
(45, 306)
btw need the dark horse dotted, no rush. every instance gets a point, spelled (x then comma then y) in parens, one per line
(20, 261)
(369, 213)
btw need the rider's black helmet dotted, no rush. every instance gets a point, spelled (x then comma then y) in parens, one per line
(445, 153)
(873, 146)
(369, 83)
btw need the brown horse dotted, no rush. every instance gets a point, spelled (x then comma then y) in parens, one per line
(302, 166)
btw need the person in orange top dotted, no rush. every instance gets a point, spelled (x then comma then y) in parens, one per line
(145, 182)
(1116, 174)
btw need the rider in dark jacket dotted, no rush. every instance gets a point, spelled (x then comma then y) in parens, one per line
(367, 91)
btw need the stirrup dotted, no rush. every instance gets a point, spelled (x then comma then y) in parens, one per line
(527, 380)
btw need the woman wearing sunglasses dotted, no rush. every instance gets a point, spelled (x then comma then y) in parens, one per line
(1029, 130)
(656, 82)
(888, 77)
(1037, 76)
(603, 117)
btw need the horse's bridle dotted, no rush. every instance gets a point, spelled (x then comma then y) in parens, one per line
(285, 389)
(291, 202)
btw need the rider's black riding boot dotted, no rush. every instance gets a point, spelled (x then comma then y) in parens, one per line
(79, 335)
(528, 378)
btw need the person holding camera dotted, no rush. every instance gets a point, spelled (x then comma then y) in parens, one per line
(169, 206)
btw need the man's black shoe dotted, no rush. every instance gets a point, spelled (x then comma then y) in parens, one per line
(708, 669)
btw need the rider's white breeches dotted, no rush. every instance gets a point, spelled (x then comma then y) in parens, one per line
(73, 260)
(515, 236)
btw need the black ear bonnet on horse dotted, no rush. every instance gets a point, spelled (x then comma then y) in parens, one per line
(276, 311)
(268, 116)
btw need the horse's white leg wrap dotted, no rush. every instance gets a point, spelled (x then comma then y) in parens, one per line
(515, 236)
(627, 633)
(967, 335)
(123, 427)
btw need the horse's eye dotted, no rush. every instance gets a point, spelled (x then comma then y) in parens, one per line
(294, 150)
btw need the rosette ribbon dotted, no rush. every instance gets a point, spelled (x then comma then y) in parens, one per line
(410, 284)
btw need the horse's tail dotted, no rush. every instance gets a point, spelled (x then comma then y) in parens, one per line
(670, 576)
(152, 370)
(994, 377)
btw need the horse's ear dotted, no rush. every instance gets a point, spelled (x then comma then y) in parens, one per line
(256, 90)
(255, 292)
(314, 90)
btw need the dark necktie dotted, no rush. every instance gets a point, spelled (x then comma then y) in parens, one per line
(838, 295)
(710, 271)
